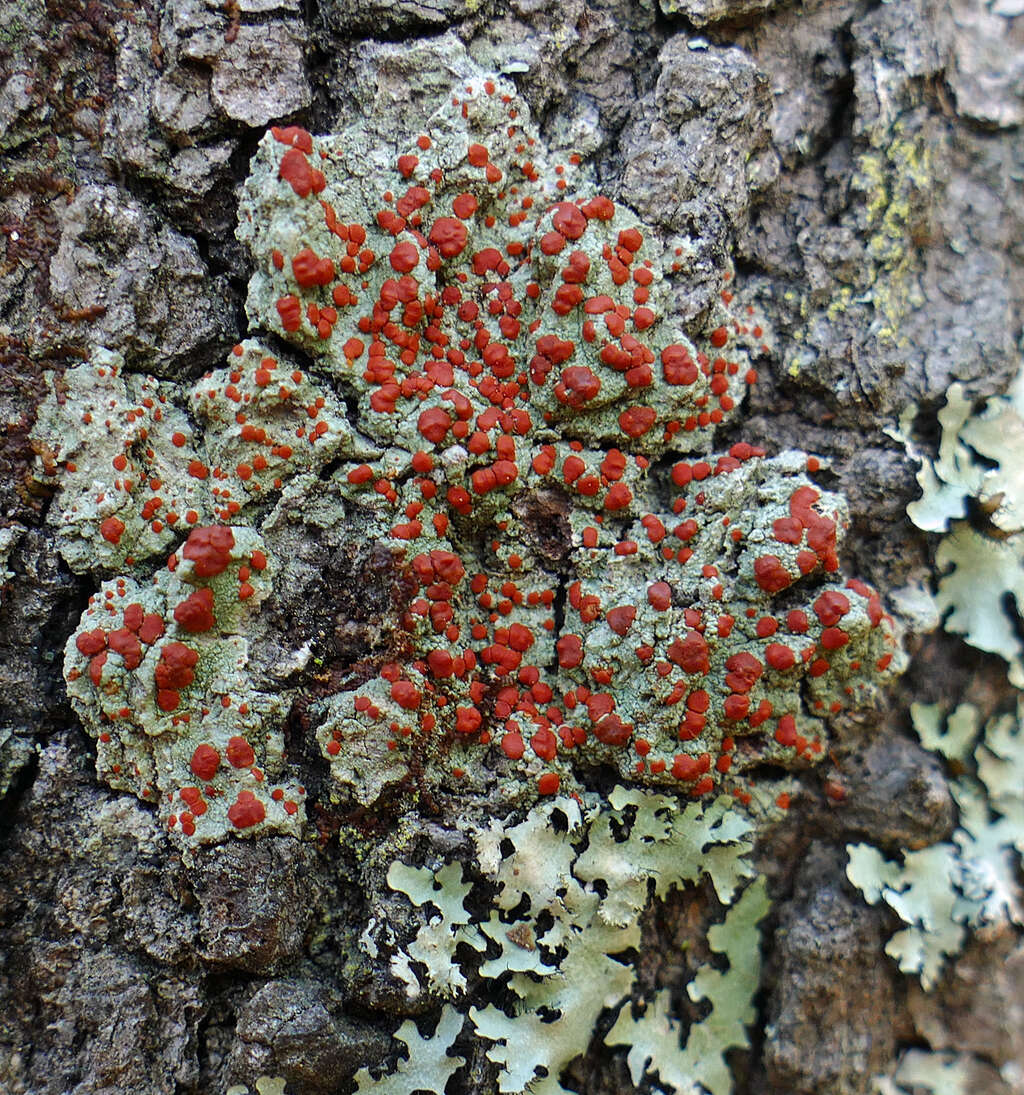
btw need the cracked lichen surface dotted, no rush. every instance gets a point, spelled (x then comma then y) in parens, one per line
(497, 393)
(585, 597)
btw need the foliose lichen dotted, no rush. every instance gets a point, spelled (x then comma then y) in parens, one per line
(922, 1070)
(264, 1085)
(945, 891)
(976, 474)
(569, 886)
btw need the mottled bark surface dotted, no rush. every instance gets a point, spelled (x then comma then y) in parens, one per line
(862, 166)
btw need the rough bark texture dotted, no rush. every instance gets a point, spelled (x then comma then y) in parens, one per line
(863, 164)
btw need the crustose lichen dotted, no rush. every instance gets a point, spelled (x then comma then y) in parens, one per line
(583, 595)
(528, 431)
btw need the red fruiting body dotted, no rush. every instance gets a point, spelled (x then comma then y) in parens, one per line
(205, 762)
(246, 811)
(195, 613)
(405, 694)
(832, 638)
(467, 720)
(294, 136)
(96, 665)
(151, 629)
(570, 651)
(126, 643)
(779, 656)
(91, 642)
(611, 730)
(690, 653)
(549, 783)
(620, 620)
(295, 170)
(544, 744)
(240, 753)
(133, 615)
(209, 550)
(112, 529)
(434, 424)
(174, 669)
(831, 607)
(579, 385)
(744, 671)
(569, 221)
(309, 270)
(686, 768)
(449, 236)
(660, 596)
(290, 311)
(636, 421)
(785, 732)
(770, 574)
(167, 699)
(513, 746)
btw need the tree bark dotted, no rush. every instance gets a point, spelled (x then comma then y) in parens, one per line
(851, 171)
